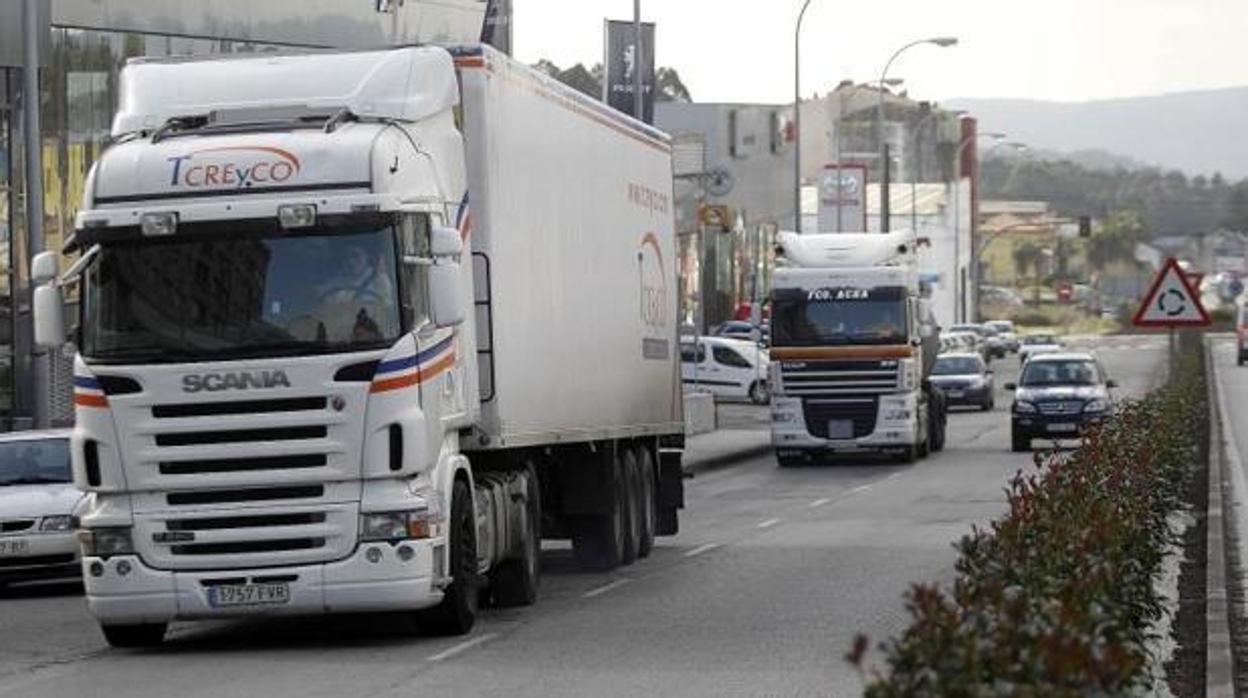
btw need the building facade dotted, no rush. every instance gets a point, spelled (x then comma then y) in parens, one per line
(85, 43)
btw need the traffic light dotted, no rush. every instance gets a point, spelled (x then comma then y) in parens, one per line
(1085, 226)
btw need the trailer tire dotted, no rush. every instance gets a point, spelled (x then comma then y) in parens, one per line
(142, 635)
(457, 612)
(632, 506)
(598, 540)
(649, 504)
(516, 582)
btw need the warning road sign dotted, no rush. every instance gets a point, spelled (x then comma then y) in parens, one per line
(1172, 301)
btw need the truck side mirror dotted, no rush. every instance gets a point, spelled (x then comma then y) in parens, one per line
(49, 310)
(446, 242)
(44, 268)
(446, 301)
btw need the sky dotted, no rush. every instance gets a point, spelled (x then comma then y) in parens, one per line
(1063, 50)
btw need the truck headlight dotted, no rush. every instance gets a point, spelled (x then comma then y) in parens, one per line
(56, 524)
(895, 414)
(400, 525)
(1024, 407)
(783, 417)
(1097, 405)
(909, 374)
(103, 542)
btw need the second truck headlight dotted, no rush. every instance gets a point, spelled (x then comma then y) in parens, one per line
(400, 525)
(103, 542)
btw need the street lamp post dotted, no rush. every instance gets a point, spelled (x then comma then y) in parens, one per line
(941, 41)
(797, 119)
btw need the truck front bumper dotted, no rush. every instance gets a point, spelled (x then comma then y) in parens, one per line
(355, 584)
(895, 427)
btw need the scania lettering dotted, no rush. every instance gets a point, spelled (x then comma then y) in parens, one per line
(343, 323)
(852, 344)
(214, 382)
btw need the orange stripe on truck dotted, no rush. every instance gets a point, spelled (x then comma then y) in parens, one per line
(815, 353)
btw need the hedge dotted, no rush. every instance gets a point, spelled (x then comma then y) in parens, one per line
(1057, 596)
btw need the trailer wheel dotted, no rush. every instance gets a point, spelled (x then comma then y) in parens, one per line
(143, 635)
(648, 504)
(598, 541)
(632, 507)
(457, 612)
(516, 582)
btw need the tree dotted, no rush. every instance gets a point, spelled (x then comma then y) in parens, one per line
(670, 87)
(1116, 239)
(1027, 256)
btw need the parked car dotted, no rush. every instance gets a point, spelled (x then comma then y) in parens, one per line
(965, 379)
(1036, 344)
(737, 329)
(1056, 397)
(993, 346)
(37, 500)
(728, 368)
(1005, 330)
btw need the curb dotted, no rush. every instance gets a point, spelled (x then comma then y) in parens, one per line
(1226, 491)
(726, 460)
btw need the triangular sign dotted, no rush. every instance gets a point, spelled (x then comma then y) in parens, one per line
(1171, 302)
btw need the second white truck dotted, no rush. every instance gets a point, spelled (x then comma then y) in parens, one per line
(852, 344)
(358, 330)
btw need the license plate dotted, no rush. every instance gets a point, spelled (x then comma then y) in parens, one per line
(14, 548)
(1063, 428)
(840, 429)
(955, 394)
(232, 595)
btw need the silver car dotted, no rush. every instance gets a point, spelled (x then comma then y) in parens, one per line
(37, 500)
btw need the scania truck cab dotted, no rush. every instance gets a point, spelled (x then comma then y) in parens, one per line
(312, 377)
(852, 344)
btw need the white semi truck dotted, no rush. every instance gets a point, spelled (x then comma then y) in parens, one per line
(357, 330)
(852, 345)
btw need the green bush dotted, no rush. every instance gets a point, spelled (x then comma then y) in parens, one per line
(1057, 597)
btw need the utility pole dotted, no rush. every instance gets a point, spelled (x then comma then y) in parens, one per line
(797, 120)
(39, 367)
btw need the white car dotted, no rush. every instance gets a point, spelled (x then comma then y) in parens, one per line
(730, 368)
(1036, 344)
(1005, 330)
(37, 500)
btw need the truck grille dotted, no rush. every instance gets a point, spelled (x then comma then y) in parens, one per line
(246, 483)
(799, 378)
(860, 412)
(224, 540)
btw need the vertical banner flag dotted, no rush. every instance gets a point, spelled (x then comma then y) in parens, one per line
(496, 29)
(621, 62)
(843, 187)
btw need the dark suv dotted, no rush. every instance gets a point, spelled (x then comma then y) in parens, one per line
(1056, 397)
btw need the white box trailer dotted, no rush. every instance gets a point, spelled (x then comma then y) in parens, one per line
(358, 329)
(572, 230)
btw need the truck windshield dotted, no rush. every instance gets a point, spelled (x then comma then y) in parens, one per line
(246, 296)
(832, 316)
(34, 462)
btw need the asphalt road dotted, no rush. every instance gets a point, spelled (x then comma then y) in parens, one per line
(762, 593)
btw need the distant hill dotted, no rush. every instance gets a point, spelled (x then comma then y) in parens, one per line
(1196, 132)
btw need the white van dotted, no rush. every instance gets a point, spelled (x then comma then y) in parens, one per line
(728, 368)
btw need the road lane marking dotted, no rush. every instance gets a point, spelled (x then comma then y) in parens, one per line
(769, 523)
(860, 488)
(462, 647)
(818, 503)
(894, 476)
(605, 588)
(702, 549)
